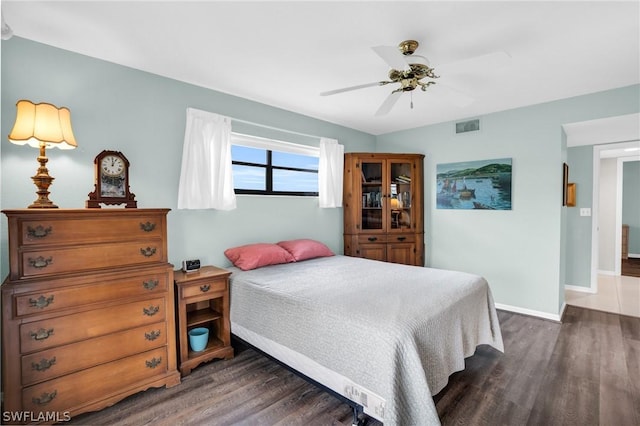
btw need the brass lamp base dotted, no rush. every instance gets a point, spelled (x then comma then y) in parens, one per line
(42, 180)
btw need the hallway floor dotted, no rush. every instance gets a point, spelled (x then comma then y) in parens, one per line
(618, 294)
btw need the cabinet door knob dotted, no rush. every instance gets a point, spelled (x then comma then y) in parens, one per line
(372, 238)
(402, 238)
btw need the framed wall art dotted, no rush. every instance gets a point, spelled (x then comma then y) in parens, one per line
(479, 185)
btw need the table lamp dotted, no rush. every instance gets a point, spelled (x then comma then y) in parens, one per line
(42, 126)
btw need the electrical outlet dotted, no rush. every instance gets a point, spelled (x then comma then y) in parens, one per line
(585, 211)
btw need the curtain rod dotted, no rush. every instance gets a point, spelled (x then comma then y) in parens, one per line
(275, 128)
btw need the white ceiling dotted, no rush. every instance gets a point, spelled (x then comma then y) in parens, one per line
(285, 53)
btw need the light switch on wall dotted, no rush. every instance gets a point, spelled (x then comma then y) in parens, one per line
(585, 211)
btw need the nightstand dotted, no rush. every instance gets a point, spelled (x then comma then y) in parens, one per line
(203, 301)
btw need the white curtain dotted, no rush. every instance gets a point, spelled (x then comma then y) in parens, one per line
(206, 178)
(330, 173)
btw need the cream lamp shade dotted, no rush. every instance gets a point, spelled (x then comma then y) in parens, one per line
(42, 126)
(43, 123)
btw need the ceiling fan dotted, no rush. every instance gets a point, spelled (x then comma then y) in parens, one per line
(409, 70)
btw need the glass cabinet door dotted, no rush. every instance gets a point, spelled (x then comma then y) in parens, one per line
(373, 201)
(400, 195)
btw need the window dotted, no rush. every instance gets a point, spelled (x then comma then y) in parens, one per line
(270, 167)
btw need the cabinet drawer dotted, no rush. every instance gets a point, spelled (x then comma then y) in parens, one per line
(90, 257)
(386, 238)
(199, 289)
(62, 360)
(48, 333)
(74, 390)
(152, 282)
(89, 229)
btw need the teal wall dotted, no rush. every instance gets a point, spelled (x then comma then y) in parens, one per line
(631, 203)
(578, 257)
(143, 115)
(530, 252)
(520, 251)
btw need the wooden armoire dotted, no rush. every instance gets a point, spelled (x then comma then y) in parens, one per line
(383, 207)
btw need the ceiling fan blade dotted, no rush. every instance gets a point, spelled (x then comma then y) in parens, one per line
(453, 96)
(389, 103)
(392, 56)
(490, 61)
(348, 89)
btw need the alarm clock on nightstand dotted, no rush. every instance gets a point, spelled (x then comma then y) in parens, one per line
(191, 265)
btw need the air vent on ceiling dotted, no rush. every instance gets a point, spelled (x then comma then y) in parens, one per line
(468, 126)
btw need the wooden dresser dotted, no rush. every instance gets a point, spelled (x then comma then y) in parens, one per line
(87, 309)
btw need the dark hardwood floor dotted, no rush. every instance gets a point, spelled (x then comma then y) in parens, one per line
(585, 371)
(631, 267)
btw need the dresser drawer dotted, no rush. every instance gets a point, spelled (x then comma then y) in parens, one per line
(48, 333)
(199, 289)
(91, 257)
(151, 282)
(90, 229)
(62, 360)
(74, 390)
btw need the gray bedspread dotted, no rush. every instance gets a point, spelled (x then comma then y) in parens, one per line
(397, 330)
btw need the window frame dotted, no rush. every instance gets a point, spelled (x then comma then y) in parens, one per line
(270, 145)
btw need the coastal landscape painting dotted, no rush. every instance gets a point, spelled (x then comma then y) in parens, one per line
(481, 185)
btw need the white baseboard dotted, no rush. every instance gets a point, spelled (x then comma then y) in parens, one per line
(579, 288)
(635, 256)
(531, 312)
(603, 272)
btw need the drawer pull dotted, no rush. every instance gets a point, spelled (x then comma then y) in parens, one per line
(150, 285)
(151, 310)
(147, 227)
(40, 262)
(402, 238)
(41, 334)
(44, 364)
(372, 238)
(205, 288)
(148, 252)
(41, 302)
(153, 335)
(45, 398)
(154, 362)
(38, 232)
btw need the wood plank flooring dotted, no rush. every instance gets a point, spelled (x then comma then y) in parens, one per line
(585, 371)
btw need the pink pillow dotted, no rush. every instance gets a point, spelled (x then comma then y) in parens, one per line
(252, 256)
(306, 249)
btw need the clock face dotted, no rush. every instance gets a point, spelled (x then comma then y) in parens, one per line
(112, 165)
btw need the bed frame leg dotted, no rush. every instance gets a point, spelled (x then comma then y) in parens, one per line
(356, 414)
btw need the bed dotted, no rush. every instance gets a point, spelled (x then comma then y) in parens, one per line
(386, 336)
